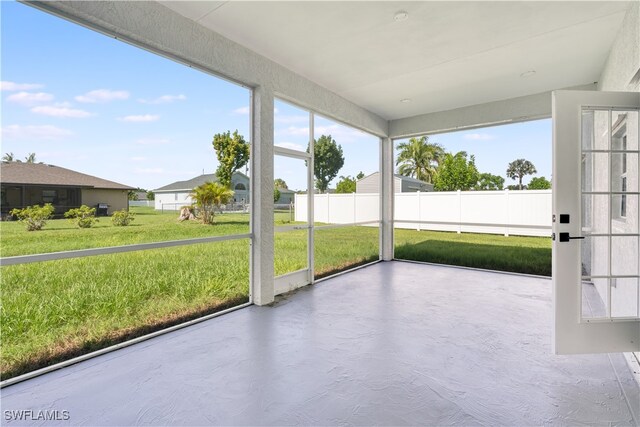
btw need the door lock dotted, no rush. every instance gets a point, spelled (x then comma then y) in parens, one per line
(565, 237)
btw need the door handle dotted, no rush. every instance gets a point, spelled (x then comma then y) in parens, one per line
(565, 237)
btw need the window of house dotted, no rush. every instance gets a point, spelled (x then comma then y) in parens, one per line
(49, 196)
(240, 186)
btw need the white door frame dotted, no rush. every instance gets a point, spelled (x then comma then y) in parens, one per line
(572, 334)
(296, 279)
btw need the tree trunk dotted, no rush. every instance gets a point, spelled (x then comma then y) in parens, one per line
(520, 182)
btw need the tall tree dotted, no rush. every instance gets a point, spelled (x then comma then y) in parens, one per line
(520, 168)
(419, 158)
(8, 157)
(347, 184)
(539, 183)
(327, 161)
(31, 158)
(232, 152)
(208, 196)
(456, 173)
(488, 181)
(280, 183)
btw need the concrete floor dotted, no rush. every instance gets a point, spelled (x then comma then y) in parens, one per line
(391, 344)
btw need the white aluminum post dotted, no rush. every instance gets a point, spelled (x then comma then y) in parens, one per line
(262, 248)
(355, 211)
(386, 197)
(310, 200)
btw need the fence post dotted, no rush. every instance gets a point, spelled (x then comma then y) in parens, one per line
(328, 210)
(355, 214)
(506, 229)
(419, 212)
(459, 211)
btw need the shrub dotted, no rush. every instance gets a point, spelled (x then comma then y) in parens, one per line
(122, 218)
(34, 217)
(83, 217)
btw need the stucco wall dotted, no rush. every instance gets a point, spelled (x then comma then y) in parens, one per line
(116, 199)
(620, 68)
(624, 59)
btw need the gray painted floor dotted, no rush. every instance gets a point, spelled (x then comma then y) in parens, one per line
(391, 344)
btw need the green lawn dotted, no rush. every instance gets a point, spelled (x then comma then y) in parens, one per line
(530, 255)
(58, 309)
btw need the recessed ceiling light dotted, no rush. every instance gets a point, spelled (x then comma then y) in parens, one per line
(405, 100)
(400, 16)
(528, 73)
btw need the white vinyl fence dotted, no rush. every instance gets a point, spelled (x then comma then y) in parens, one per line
(524, 213)
(147, 203)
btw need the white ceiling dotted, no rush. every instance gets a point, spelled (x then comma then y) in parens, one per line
(445, 55)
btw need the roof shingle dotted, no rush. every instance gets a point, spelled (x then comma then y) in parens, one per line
(42, 174)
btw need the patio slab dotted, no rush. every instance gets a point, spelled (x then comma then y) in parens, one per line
(395, 343)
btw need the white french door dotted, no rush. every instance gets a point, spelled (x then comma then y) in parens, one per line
(596, 207)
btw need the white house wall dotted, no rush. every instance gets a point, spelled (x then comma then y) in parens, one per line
(622, 65)
(172, 201)
(623, 62)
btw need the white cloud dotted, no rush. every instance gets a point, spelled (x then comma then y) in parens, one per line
(102, 96)
(242, 110)
(152, 141)
(291, 146)
(30, 98)
(164, 99)
(46, 132)
(479, 136)
(149, 171)
(142, 118)
(60, 111)
(137, 159)
(13, 86)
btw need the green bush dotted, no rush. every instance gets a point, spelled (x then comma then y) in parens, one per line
(122, 218)
(34, 217)
(83, 217)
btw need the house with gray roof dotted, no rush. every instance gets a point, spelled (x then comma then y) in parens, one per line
(28, 184)
(401, 184)
(177, 194)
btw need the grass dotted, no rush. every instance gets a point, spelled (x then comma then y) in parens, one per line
(529, 255)
(54, 310)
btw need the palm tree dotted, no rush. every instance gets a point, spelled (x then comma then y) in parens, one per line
(520, 168)
(8, 157)
(208, 196)
(419, 158)
(31, 158)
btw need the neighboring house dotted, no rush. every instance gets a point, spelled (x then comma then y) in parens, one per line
(28, 184)
(176, 194)
(401, 184)
(286, 196)
(141, 196)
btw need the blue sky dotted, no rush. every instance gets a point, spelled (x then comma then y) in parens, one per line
(84, 101)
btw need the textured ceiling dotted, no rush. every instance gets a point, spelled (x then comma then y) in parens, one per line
(445, 55)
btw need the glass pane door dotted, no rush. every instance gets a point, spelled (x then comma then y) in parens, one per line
(595, 266)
